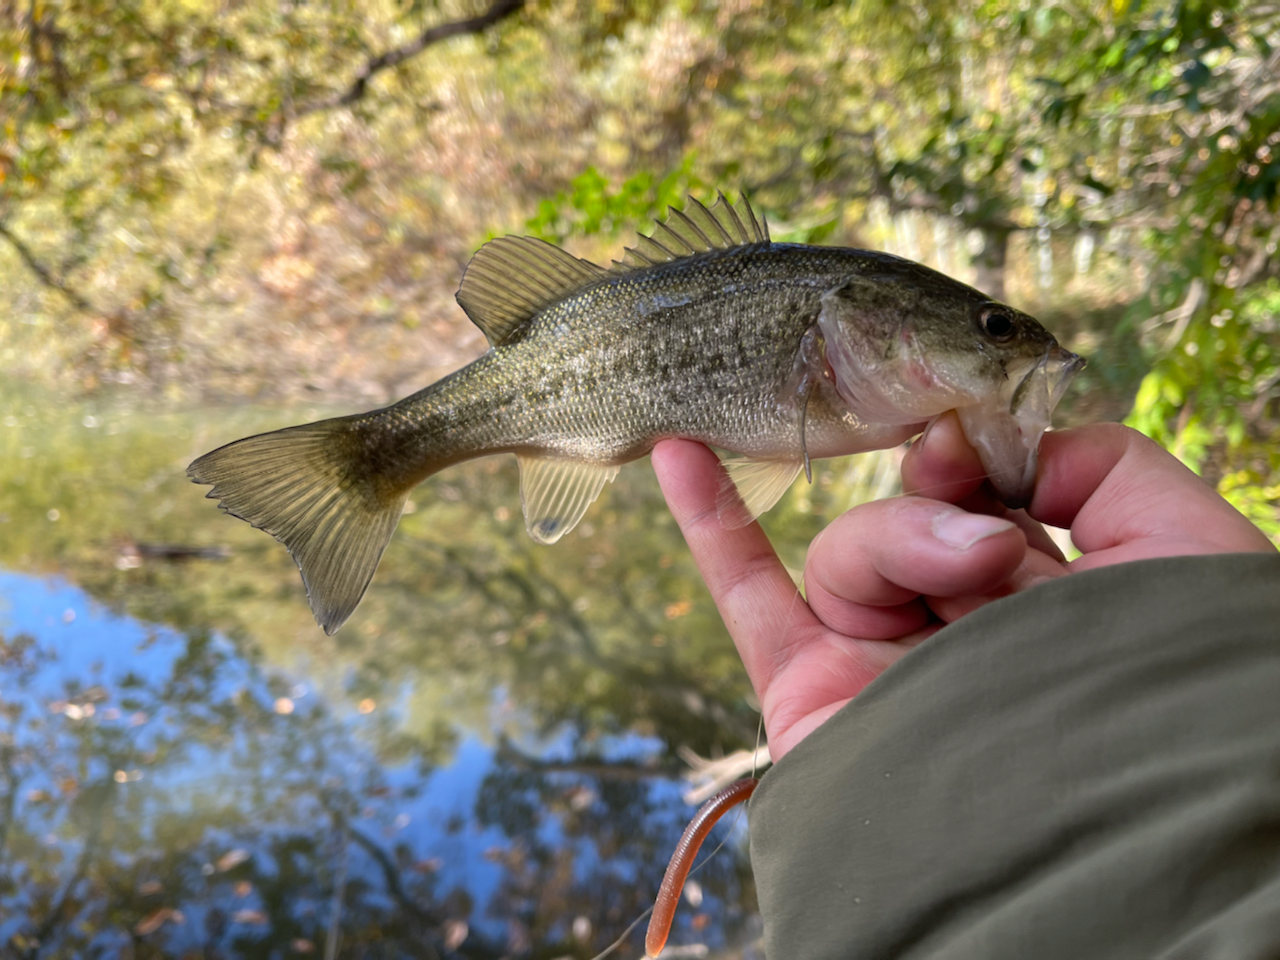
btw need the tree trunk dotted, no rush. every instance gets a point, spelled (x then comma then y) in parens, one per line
(988, 264)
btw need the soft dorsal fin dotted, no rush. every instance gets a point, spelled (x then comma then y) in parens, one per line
(697, 230)
(512, 278)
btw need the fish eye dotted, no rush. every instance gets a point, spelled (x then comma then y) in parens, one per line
(997, 324)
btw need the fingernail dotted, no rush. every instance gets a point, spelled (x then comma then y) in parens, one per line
(963, 530)
(927, 430)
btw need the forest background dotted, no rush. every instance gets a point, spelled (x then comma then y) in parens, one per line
(215, 201)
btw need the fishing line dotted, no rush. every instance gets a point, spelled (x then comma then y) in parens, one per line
(737, 816)
(623, 938)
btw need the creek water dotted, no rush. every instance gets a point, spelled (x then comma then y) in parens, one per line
(481, 763)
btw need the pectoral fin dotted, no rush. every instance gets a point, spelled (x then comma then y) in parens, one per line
(753, 487)
(556, 493)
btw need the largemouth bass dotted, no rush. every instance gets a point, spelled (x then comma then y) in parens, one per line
(779, 352)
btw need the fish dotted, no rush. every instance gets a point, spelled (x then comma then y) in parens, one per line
(780, 353)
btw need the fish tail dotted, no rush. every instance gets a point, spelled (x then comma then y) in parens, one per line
(311, 488)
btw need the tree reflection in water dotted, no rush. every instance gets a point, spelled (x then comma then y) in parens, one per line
(481, 764)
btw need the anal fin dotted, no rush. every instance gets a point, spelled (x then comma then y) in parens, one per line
(753, 486)
(556, 493)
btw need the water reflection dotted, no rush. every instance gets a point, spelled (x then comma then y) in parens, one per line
(164, 792)
(482, 764)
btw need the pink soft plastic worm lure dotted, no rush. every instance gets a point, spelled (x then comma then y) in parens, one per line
(664, 907)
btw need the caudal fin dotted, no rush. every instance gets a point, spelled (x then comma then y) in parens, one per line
(305, 486)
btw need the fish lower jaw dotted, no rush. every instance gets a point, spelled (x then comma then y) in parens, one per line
(1007, 447)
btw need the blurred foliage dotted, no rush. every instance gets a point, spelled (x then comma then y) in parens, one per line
(1197, 82)
(591, 206)
(278, 200)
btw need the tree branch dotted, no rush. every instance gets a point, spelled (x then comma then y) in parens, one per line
(476, 945)
(99, 796)
(500, 10)
(511, 755)
(47, 276)
(9, 802)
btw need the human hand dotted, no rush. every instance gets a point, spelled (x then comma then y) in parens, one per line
(886, 575)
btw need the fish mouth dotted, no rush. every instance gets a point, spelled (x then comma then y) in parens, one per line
(1039, 391)
(1007, 432)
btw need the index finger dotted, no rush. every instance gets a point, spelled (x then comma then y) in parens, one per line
(756, 596)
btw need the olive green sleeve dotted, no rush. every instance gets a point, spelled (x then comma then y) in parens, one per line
(1089, 769)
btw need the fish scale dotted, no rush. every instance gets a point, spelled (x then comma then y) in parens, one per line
(777, 352)
(553, 389)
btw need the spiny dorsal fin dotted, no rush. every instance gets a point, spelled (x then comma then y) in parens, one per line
(697, 230)
(512, 278)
